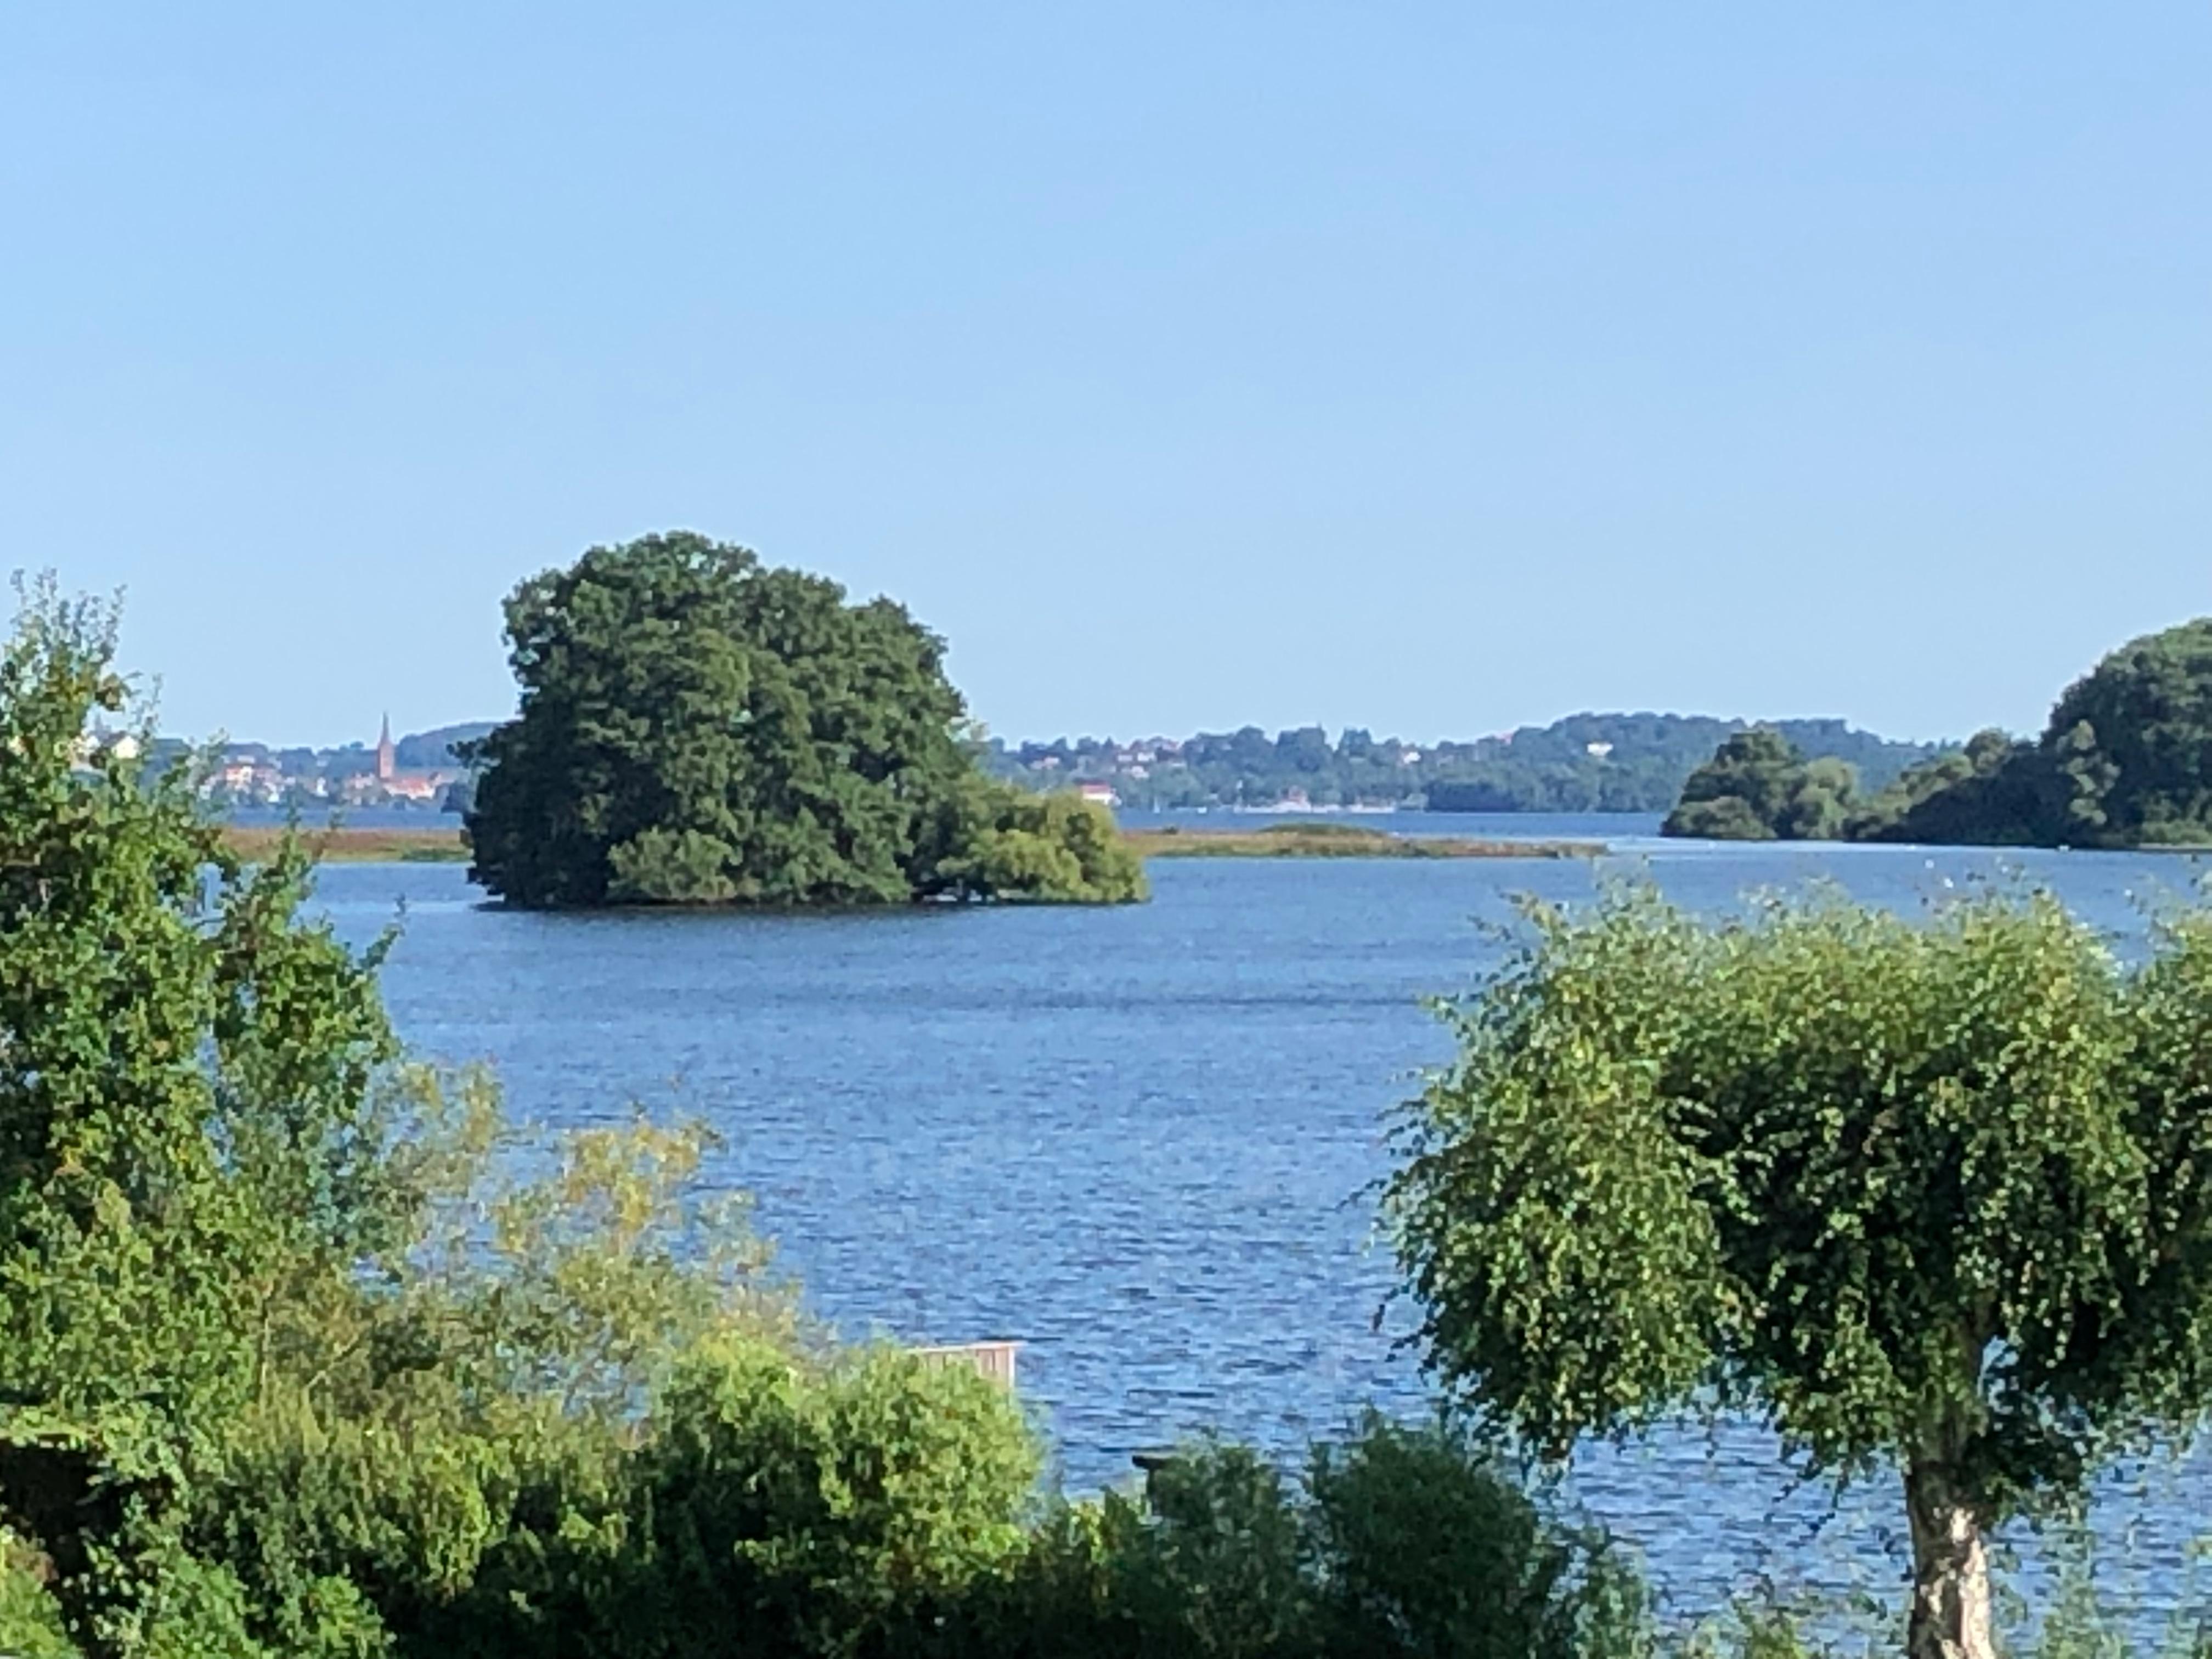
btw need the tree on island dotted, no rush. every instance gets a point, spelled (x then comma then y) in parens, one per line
(1935, 1199)
(1758, 786)
(697, 727)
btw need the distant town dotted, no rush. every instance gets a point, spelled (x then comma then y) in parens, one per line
(1626, 762)
(422, 770)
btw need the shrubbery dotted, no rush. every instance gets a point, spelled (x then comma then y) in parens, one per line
(1399, 1542)
(1003, 843)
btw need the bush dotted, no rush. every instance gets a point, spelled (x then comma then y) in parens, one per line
(31, 1624)
(446, 1437)
(1401, 1541)
(1003, 843)
(1422, 1546)
(1216, 1573)
(829, 1505)
(772, 1506)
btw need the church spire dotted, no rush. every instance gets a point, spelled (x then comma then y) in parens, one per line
(387, 757)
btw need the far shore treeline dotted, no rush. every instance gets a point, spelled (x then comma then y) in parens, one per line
(2125, 760)
(1617, 761)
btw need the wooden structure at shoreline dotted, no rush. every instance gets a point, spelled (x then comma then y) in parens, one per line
(994, 1360)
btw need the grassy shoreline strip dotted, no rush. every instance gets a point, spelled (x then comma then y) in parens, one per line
(1339, 840)
(350, 846)
(1280, 841)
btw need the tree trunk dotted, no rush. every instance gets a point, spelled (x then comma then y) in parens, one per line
(1950, 1570)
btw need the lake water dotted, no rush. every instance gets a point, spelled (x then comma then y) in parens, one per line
(1141, 1139)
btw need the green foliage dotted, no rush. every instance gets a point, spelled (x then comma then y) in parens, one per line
(817, 1508)
(31, 1624)
(187, 1136)
(678, 689)
(670, 867)
(1930, 1196)
(1759, 1627)
(699, 728)
(1217, 1572)
(1425, 1545)
(1401, 1541)
(423, 1434)
(1004, 843)
(1986, 793)
(2136, 735)
(874, 1505)
(1758, 786)
(2125, 760)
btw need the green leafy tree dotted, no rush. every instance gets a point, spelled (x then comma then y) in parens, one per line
(1759, 787)
(186, 1129)
(699, 728)
(1995, 792)
(2124, 760)
(1934, 1199)
(1002, 842)
(2136, 736)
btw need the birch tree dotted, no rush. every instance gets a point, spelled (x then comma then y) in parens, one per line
(1931, 1195)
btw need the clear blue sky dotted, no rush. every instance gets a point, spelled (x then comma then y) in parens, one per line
(1431, 367)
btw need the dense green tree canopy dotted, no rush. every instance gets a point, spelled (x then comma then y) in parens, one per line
(1934, 1198)
(1995, 792)
(2125, 760)
(2135, 734)
(1758, 786)
(188, 1136)
(698, 727)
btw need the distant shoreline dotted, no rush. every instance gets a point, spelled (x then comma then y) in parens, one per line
(345, 846)
(1308, 840)
(1282, 840)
